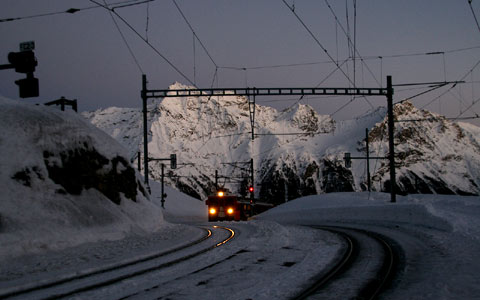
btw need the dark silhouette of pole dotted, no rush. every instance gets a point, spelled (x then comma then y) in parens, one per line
(369, 184)
(163, 180)
(252, 194)
(391, 145)
(145, 130)
(138, 161)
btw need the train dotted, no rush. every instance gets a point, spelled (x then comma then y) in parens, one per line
(223, 206)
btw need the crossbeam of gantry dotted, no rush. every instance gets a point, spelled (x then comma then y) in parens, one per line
(266, 92)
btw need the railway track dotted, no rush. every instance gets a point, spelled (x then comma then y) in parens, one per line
(363, 271)
(90, 280)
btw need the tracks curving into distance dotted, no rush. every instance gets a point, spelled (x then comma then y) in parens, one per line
(364, 269)
(90, 280)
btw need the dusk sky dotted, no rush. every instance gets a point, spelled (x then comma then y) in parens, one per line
(83, 56)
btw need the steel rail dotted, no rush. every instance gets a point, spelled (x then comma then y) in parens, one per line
(373, 287)
(113, 279)
(337, 269)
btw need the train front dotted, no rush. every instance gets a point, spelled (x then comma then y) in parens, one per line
(223, 207)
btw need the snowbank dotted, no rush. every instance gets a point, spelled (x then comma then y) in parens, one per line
(447, 212)
(51, 198)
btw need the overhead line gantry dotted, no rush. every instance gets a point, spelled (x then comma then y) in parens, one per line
(292, 91)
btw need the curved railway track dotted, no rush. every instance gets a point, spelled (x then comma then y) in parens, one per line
(346, 277)
(86, 281)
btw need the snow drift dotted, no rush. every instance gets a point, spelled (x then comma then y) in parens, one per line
(65, 182)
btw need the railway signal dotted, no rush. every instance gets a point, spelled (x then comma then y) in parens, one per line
(24, 62)
(347, 91)
(173, 165)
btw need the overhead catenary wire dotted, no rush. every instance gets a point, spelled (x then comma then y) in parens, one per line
(125, 41)
(325, 50)
(473, 13)
(74, 10)
(195, 34)
(316, 40)
(347, 35)
(147, 42)
(453, 86)
(364, 58)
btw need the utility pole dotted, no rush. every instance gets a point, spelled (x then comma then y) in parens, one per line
(251, 109)
(145, 130)
(368, 161)
(163, 186)
(173, 165)
(292, 91)
(391, 144)
(139, 161)
(252, 189)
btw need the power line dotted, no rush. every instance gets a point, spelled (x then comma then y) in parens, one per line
(195, 34)
(453, 86)
(364, 58)
(71, 11)
(349, 40)
(325, 50)
(420, 53)
(473, 13)
(125, 40)
(316, 40)
(422, 93)
(147, 42)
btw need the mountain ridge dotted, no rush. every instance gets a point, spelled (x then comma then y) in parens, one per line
(296, 152)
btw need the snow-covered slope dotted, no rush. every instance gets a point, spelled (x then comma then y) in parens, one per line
(64, 182)
(433, 155)
(297, 151)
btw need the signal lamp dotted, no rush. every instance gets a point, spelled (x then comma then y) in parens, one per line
(250, 189)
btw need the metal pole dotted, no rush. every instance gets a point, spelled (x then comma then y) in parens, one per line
(163, 193)
(369, 184)
(252, 194)
(138, 161)
(391, 145)
(145, 130)
(216, 180)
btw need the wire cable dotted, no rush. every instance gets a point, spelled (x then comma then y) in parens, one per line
(349, 41)
(147, 42)
(69, 11)
(473, 13)
(195, 34)
(453, 86)
(316, 40)
(125, 40)
(325, 50)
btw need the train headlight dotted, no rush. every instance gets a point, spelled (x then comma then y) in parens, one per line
(230, 211)
(220, 193)
(212, 211)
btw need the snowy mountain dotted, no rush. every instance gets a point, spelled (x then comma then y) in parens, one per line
(296, 151)
(65, 182)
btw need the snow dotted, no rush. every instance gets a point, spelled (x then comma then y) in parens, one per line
(36, 214)
(45, 235)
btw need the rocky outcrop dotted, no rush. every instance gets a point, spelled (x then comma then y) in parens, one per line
(297, 152)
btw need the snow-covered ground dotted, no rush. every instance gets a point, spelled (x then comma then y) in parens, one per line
(46, 234)
(440, 236)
